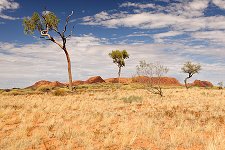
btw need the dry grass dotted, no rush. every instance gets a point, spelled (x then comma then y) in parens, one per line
(95, 120)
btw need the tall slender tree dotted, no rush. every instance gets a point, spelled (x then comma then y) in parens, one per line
(119, 59)
(46, 23)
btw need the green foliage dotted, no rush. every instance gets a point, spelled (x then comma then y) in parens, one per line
(44, 89)
(13, 92)
(119, 57)
(36, 23)
(191, 68)
(51, 20)
(131, 99)
(32, 24)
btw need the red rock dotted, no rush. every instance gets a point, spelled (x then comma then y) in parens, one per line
(47, 83)
(96, 79)
(78, 82)
(200, 83)
(168, 81)
(115, 80)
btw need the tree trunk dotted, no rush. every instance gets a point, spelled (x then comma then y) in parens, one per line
(185, 82)
(119, 74)
(69, 69)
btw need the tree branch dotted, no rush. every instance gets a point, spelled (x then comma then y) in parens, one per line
(71, 32)
(58, 32)
(67, 21)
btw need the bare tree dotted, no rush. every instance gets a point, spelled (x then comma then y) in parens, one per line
(154, 73)
(45, 23)
(190, 69)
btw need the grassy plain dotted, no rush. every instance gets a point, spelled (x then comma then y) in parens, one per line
(113, 118)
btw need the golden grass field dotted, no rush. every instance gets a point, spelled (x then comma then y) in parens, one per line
(114, 119)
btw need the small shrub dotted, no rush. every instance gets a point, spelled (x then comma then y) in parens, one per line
(1, 91)
(13, 92)
(61, 92)
(44, 89)
(220, 85)
(131, 99)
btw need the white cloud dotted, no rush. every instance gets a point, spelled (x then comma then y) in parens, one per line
(219, 3)
(188, 8)
(159, 37)
(214, 36)
(183, 16)
(25, 64)
(137, 5)
(8, 5)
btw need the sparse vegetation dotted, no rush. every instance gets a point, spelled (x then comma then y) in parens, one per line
(190, 69)
(60, 92)
(45, 89)
(119, 59)
(153, 72)
(131, 99)
(132, 119)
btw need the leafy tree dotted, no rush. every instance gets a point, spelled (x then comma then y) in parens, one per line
(119, 59)
(154, 72)
(47, 23)
(190, 69)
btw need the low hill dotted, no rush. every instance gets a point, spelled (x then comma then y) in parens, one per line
(165, 81)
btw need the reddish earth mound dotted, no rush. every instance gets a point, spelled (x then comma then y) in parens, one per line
(115, 80)
(168, 81)
(200, 83)
(47, 83)
(96, 79)
(78, 82)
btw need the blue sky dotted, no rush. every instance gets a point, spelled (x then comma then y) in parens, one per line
(167, 31)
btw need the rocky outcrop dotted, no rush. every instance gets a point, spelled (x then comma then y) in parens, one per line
(167, 81)
(115, 80)
(78, 82)
(200, 83)
(96, 79)
(47, 83)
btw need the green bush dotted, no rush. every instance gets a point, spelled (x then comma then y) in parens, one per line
(131, 99)
(44, 89)
(13, 92)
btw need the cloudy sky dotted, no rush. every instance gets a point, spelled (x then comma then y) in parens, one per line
(167, 31)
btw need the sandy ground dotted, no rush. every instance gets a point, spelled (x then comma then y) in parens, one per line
(114, 120)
